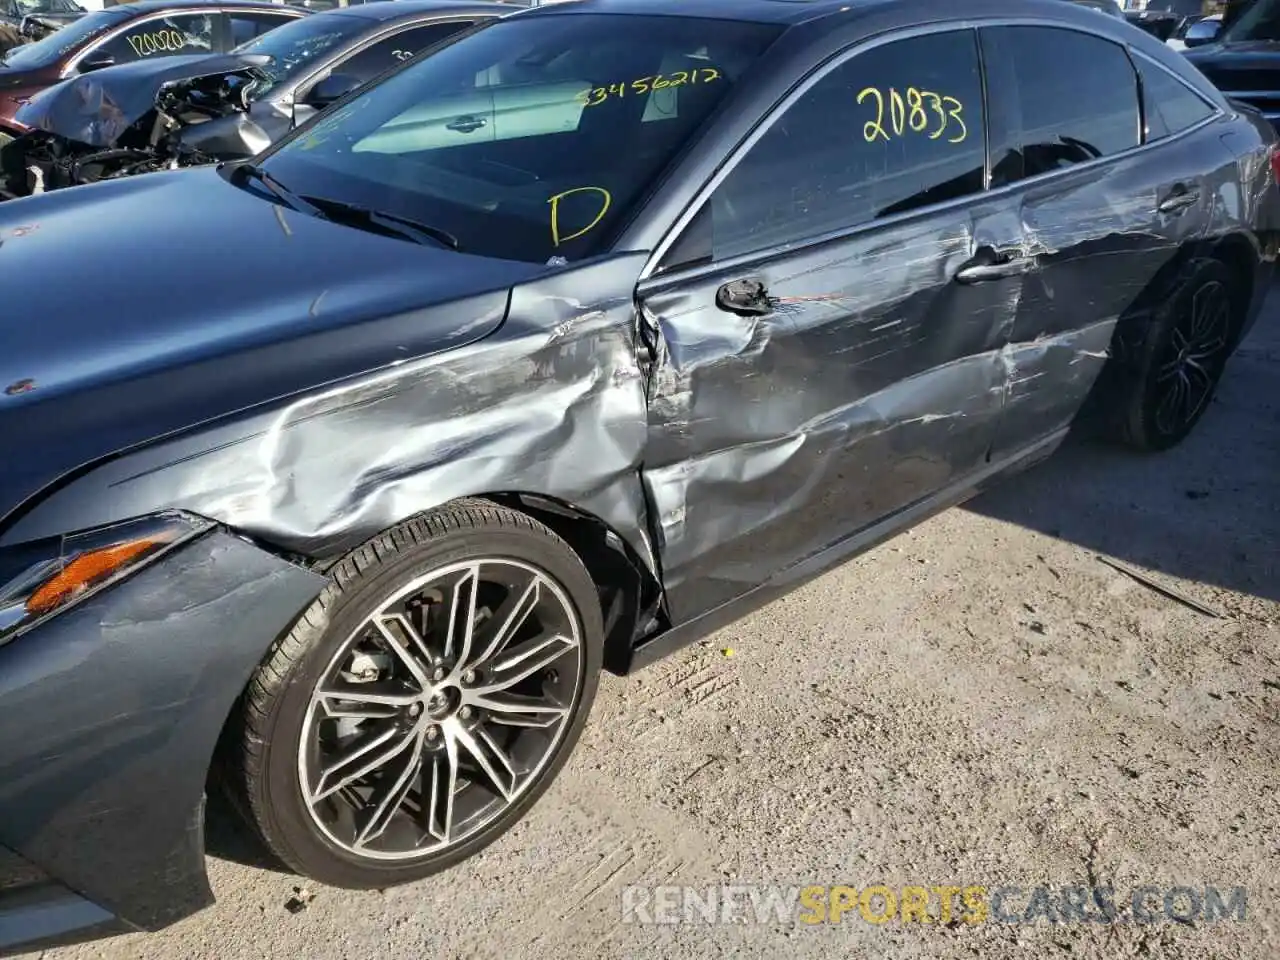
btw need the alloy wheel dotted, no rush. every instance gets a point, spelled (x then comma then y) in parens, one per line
(441, 709)
(1191, 362)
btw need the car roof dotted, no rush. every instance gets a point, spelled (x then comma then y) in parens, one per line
(794, 12)
(758, 11)
(153, 6)
(382, 10)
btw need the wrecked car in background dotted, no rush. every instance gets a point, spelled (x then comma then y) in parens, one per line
(95, 127)
(152, 29)
(39, 18)
(544, 354)
(186, 111)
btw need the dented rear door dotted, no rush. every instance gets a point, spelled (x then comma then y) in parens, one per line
(817, 364)
(1102, 216)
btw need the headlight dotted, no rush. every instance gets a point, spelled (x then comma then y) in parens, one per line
(79, 565)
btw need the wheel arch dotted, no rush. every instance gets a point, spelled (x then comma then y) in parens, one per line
(630, 590)
(1241, 257)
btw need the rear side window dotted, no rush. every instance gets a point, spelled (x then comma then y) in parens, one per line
(1169, 105)
(1075, 99)
(892, 129)
(247, 25)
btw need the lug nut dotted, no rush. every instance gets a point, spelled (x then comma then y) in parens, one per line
(438, 673)
(465, 713)
(415, 709)
(469, 677)
(433, 732)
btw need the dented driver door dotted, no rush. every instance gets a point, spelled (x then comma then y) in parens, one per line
(825, 353)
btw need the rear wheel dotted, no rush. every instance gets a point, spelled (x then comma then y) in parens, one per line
(1181, 358)
(426, 700)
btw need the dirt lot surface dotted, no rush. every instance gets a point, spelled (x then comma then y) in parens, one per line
(979, 702)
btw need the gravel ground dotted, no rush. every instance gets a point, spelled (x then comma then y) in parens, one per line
(981, 701)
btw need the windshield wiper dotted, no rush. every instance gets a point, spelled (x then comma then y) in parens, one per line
(356, 215)
(291, 199)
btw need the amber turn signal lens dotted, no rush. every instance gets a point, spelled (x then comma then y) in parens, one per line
(85, 571)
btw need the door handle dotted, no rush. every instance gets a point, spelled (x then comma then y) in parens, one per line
(981, 272)
(746, 297)
(1179, 199)
(467, 124)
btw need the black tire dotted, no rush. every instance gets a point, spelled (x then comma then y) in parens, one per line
(263, 758)
(1142, 417)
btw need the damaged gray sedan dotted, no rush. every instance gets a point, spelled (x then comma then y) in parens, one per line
(543, 355)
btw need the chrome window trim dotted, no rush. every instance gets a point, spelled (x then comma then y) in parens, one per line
(703, 196)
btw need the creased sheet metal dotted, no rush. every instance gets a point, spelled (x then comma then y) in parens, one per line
(551, 404)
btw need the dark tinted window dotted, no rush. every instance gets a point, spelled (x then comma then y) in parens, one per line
(245, 26)
(1169, 105)
(182, 33)
(892, 129)
(1075, 98)
(385, 54)
(531, 138)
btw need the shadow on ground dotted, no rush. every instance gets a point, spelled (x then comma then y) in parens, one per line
(1207, 511)
(228, 837)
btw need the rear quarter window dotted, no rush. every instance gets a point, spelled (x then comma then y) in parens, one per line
(1169, 105)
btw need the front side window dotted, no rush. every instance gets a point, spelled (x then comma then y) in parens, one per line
(295, 47)
(530, 138)
(1075, 99)
(386, 53)
(1169, 106)
(182, 33)
(892, 129)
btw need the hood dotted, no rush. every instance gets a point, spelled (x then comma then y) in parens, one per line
(17, 85)
(11, 79)
(139, 307)
(1247, 65)
(96, 108)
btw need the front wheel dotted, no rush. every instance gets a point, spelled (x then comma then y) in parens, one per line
(425, 701)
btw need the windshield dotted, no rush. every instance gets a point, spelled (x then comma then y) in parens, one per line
(55, 46)
(294, 46)
(530, 138)
(28, 7)
(1260, 22)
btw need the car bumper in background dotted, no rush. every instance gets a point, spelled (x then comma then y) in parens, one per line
(109, 714)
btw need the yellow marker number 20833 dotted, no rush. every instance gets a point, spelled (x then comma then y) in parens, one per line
(915, 112)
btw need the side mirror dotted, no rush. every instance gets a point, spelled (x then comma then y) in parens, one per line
(1202, 32)
(331, 88)
(96, 62)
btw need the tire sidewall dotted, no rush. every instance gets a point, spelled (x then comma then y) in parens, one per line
(1142, 425)
(307, 849)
